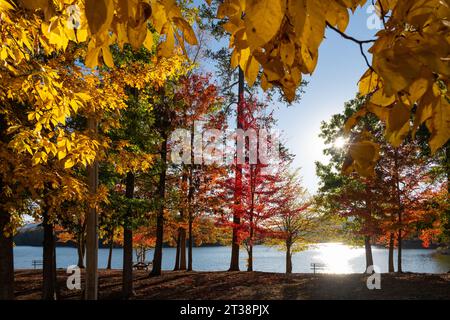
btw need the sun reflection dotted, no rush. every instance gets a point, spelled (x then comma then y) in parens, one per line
(336, 257)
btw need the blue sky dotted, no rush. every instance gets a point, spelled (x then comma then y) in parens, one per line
(334, 82)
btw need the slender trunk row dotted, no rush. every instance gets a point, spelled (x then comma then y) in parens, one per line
(391, 252)
(6, 238)
(157, 260)
(91, 287)
(6, 258)
(49, 287)
(127, 274)
(400, 212)
(368, 249)
(234, 261)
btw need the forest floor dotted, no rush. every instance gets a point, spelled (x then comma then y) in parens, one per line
(247, 286)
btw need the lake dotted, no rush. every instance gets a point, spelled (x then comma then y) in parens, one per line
(339, 258)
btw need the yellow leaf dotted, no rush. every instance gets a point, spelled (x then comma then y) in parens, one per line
(188, 33)
(440, 124)
(364, 154)
(61, 155)
(353, 120)
(91, 60)
(398, 124)
(5, 6)
(381, 99)
(287, 52)
(262, 20)
(227, 9)
(137, 35)
(368, 83)
(148, 42)
(418, 89)
(107, 57)
(68, 164)
(252, 70)
(99, 14)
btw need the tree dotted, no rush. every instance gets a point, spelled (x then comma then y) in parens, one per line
(93, 24)
(295, 223)
(383, 206)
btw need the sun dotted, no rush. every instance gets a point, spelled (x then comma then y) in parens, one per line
(340, 143)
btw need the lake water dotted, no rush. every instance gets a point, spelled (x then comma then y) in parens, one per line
(339, 258)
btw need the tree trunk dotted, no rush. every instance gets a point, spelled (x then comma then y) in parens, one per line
(182, 231)
(252, 230)
(6, 259)
(391, 252)
(234, 261)
(177, 254)
(191, 244)
(368, 248)
(91, 291)
(157, 259)
(111, 246)
(81, 245)
(183, 249)
(399, 250)
(288, 258)
(250, 258)
(447, 213)
(80, 252)
(190, 204)
(127, 275)
(400, 212)
(6, 238)
(49, 286)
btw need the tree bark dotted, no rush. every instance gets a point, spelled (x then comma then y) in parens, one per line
(368, 248)
(182, 231)
(49, 286)
(157, 259)
(183, 249)
(6, 258)
(391, 253)
(400, 213)
(177, 254)
(288, 257)
(399, 250)
(127, 275)
(252, 230)
(447, 213)
(191, 244)
(6, 238)
(80, 252)
(250, 258)
(234, 261)
(91, 292)
(111, 246)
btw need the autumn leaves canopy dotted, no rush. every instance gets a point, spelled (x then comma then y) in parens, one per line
(406, 85)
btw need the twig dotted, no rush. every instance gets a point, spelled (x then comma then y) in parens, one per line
(361, 43)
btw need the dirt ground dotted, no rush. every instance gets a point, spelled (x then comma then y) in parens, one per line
(247, 286)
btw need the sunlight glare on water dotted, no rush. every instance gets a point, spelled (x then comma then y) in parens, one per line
(336, 257)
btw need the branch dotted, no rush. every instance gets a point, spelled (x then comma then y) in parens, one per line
(361, 43)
